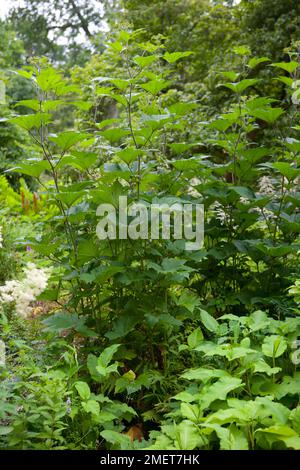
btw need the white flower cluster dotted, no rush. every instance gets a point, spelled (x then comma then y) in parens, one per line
(265, 186)
(220, 214)
(23, 293)
(1, 237)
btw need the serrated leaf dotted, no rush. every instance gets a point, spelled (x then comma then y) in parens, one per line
(289, 67)
(114, 437)
(188, 300)
(91, 406)
(79, 160)
(269, 115)
(30, 121)
(122, 326)
(241, 86)
(287, 170)
(129, 154)
(65, 321)
(49, 79)
(83, 105)
(174, 56)
(256, 61)
(66, 140)
(32, 169)
(155, 86)
(145, 60)
(115, 134)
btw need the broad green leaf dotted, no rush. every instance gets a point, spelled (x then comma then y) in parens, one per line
(231, 415)
(187, 164)
(79, 160)
(162, 442)
(69, 197)
(30, 121)
(119, 98)
(188, 436)
(219, 390)
(66, 89)
(241, 86)
(83, 389)
(181, 108)
(188, 300)
(114, 437)
(270, 408)
(4, 430)
(180, 147)
(191, 412)
(244, 192)
(230, 75)
(174, 56)
(293, 144)
(256, 61)
(288, 386)
(107, 355)
(33, 169)
(86, 251)
(262, 367)
(120, 83)
(203, 375)
(122, 326)
(129, 154)
(91, 406)
(287, 170)
(231, 438)
(61, 321)
(258, 320)
(295, 419)
(92, 362)
(220, 124)
(269, 115)
(195, 338)
(115, 134)
(83, 105)
(32, 104)
(274, 346)
(24, 73)
(50, 80)
(66, 140)
(155, 86)
(145, 60)
(281, 433)
(102, 274)
(209, 322)
(185, 397)
(259, 102)
(286, 80)
(290, 67)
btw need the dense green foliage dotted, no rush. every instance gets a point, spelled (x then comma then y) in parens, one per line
(142, 344)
